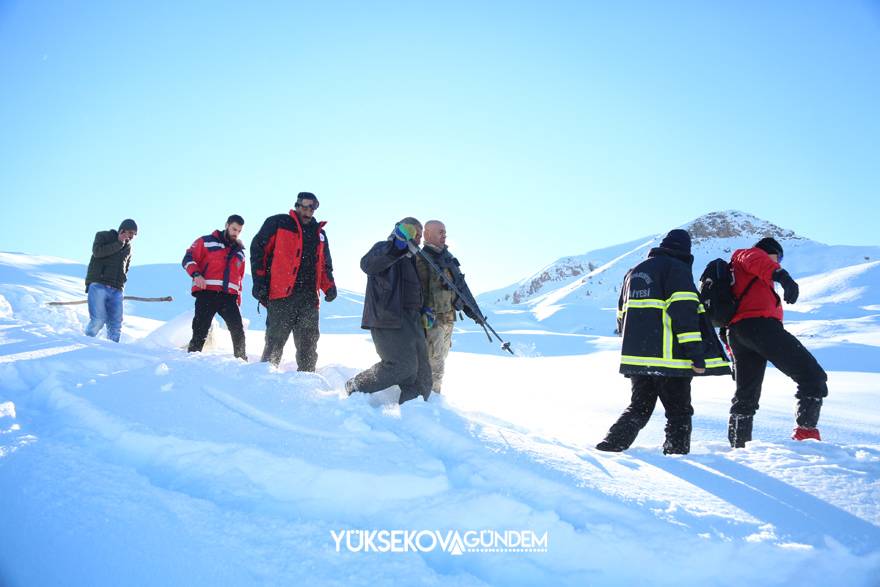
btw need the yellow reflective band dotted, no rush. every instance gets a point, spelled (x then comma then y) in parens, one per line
(667, 336)
(656, 362)
(671, 363)
(701, 309)
(690, 337)
(679, 296)
(715, 363)
(683, 296)
(648, 303)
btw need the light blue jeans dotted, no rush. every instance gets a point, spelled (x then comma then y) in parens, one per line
(105, 307)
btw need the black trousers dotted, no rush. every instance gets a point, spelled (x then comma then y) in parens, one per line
(675, 395)
(404, 354)
(755, 341)
(297, 314)
(209, 303)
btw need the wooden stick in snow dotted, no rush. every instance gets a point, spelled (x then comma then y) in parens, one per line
(129, 298)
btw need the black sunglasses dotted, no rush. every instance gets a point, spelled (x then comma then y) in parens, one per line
(312, 207)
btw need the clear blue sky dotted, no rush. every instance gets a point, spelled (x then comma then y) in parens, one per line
(534, 129)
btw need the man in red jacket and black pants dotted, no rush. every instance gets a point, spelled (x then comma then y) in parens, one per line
(756, 336)
(290, 261)
(216, 264)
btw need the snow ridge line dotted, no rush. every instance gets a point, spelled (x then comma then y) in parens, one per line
(260, 417)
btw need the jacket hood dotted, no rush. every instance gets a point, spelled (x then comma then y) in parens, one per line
(680, 255)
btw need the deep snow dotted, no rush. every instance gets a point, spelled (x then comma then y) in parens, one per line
(139, 464)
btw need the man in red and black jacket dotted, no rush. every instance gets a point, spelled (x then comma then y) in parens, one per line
(216, 264)
(290, 261)
(756, 336)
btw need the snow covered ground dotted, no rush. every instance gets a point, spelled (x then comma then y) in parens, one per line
(137, 464)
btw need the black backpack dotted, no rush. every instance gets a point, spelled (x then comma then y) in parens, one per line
(716, 292)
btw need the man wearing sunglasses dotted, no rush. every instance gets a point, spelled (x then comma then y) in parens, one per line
(106, 277)
(290, 262)
(756, 335)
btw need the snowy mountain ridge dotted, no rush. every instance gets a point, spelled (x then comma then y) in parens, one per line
(579, 293)
(705, 230)
(735, 224)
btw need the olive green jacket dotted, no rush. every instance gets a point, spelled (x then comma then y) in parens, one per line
(436, 295)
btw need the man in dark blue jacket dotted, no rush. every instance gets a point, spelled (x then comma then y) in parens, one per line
(666, 340)
(392, 314)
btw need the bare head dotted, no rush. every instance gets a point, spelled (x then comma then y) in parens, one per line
(234, 226)
(435, 233)
(127, 230)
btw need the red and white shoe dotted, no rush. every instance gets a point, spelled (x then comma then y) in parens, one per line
(804, 433)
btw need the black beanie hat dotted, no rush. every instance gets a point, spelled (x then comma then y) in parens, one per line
(128, 224)
(770, 246)
(677, 240)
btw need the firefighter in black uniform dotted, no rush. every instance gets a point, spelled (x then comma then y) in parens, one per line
(666, 341)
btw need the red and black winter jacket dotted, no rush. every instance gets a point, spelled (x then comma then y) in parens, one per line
(276, 255)
(219, 262)
(761, 301)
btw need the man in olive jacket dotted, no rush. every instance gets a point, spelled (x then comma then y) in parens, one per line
(440, 302)
(106, 276)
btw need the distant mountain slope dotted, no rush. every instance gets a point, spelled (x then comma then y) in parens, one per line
(28, 282)
(578, 294)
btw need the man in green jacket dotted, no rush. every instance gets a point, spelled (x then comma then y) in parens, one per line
(439, 301)
(106, 276)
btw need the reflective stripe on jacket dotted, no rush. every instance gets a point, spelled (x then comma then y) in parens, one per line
(220, 263)
(662, 322)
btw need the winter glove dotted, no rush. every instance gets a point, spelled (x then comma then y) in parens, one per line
(260, 291)
(330, 294)
(403, 233)
(789, 286)
(473, 315)
(428, 317)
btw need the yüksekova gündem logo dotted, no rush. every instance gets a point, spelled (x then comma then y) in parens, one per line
(452, 542)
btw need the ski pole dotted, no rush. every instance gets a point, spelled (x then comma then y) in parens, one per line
(472, 305)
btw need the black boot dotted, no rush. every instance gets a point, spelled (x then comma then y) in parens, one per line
(350, 386)
(739, 430)
(808, 409)
(619, 438)
(678, 437)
